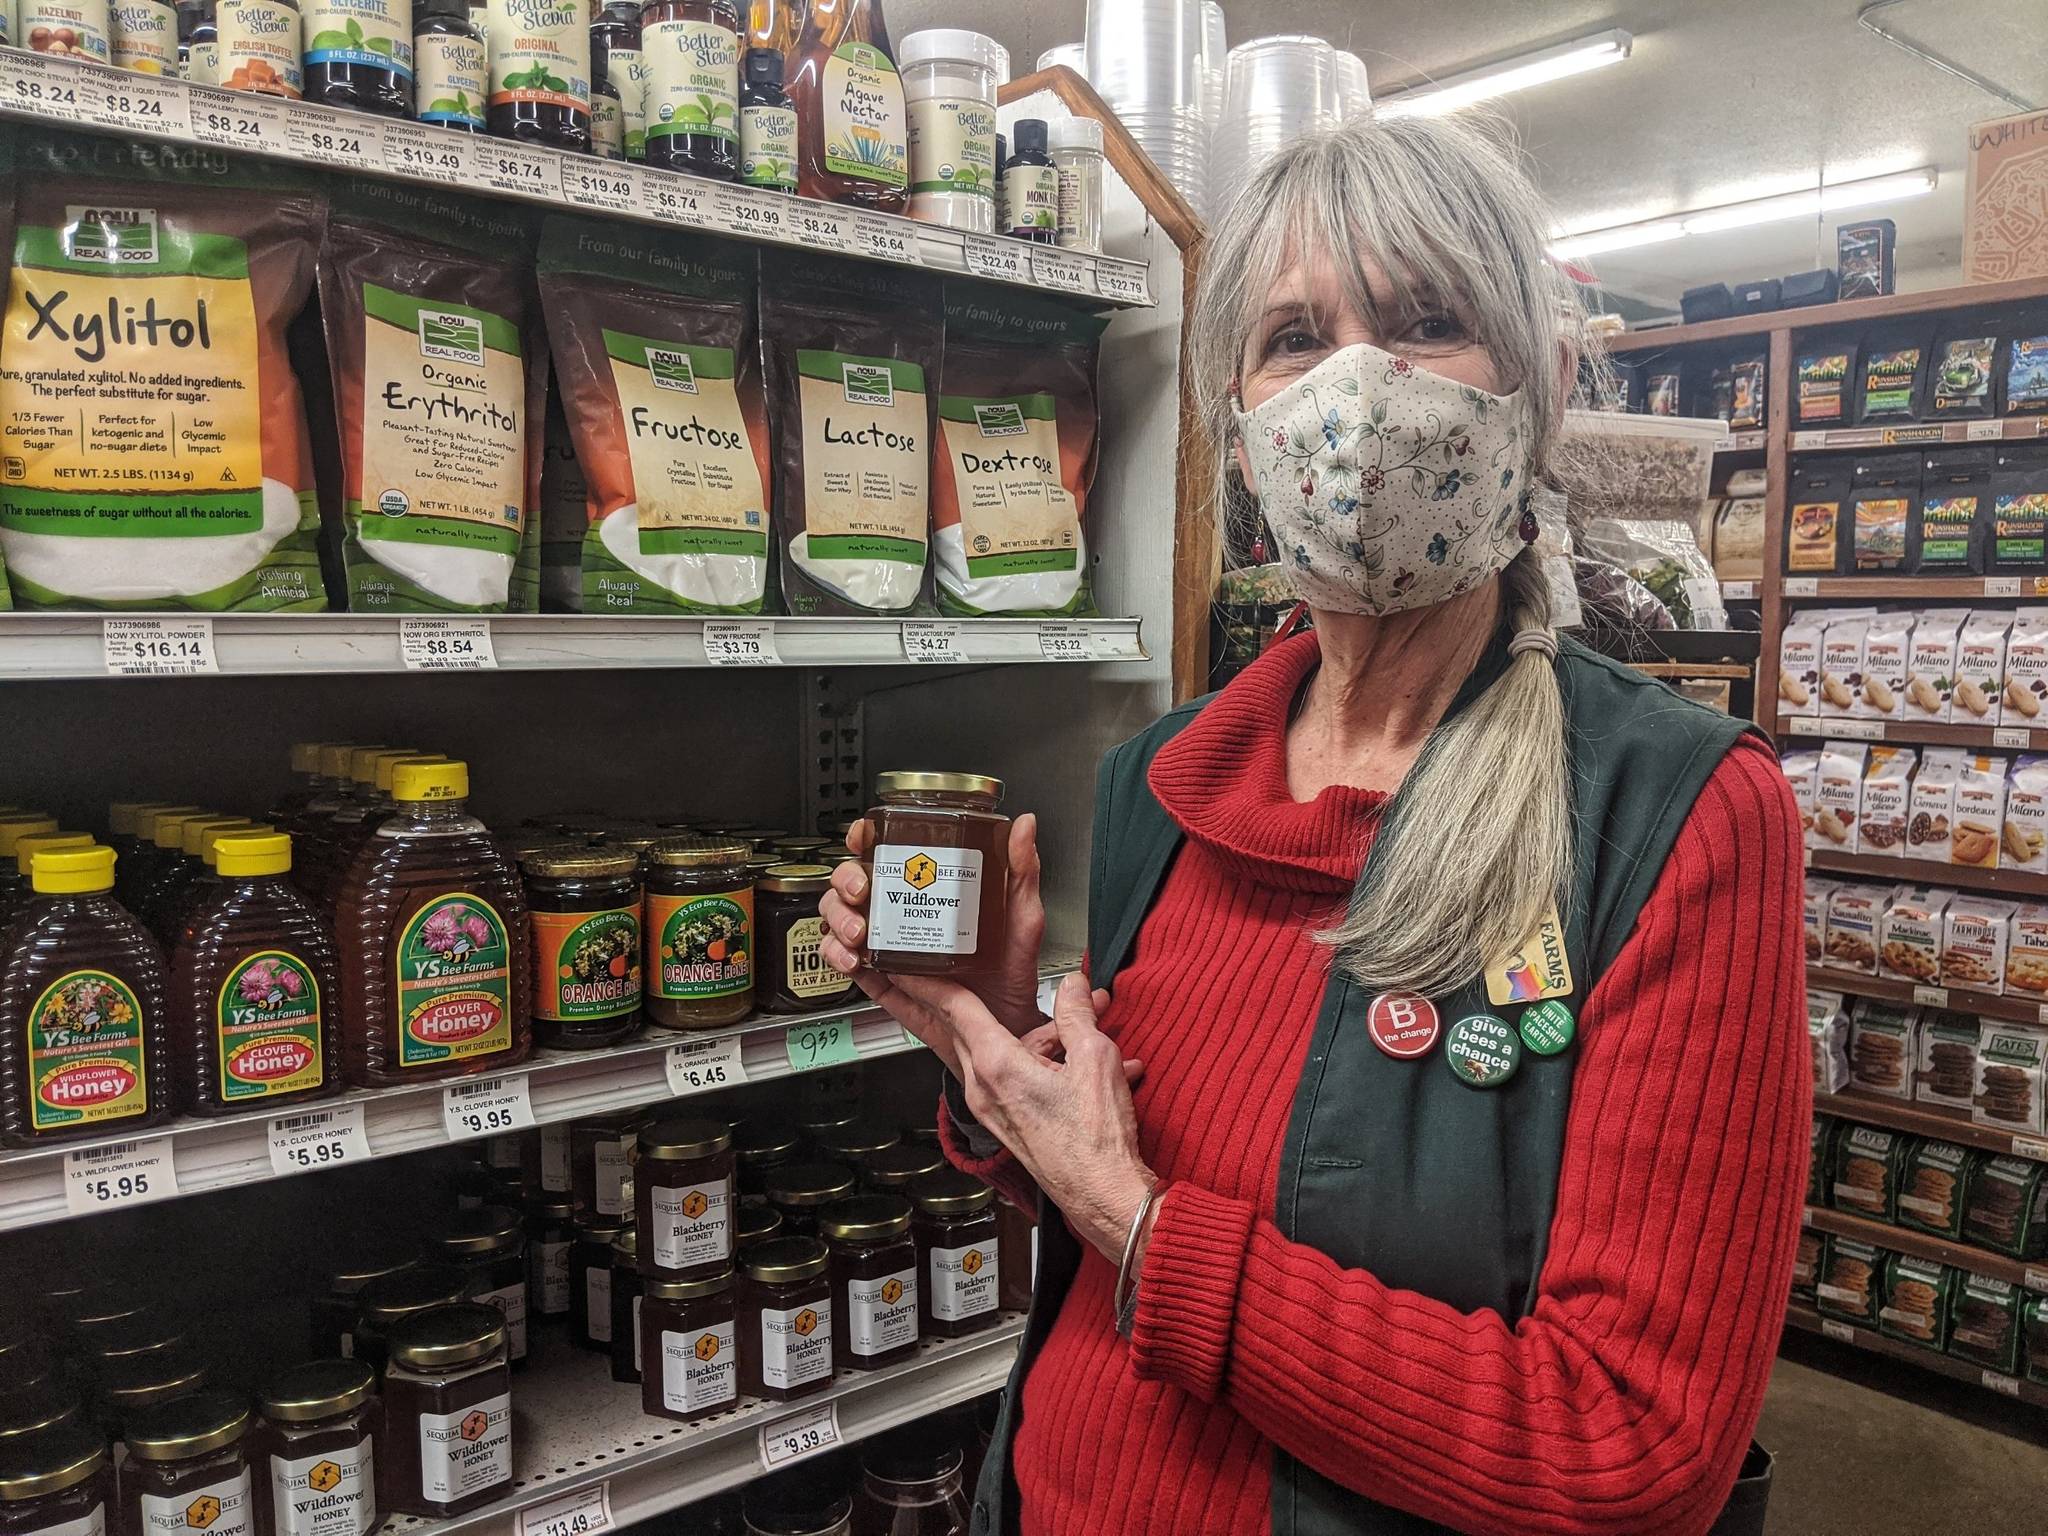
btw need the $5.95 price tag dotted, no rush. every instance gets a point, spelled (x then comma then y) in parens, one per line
(580, 1512)
(157, 647)
(829, 1044)
(490, 1106)
(127, 1173)
(318, 1138)
(697, 1066)
(446, 645)
(799, 1436)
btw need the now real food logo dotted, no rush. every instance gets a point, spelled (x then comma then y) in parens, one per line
(451, 337)
(85, 1052)
(114, 237)
(454, 982)
(671, 370)
(865, 384)
(1003, 419)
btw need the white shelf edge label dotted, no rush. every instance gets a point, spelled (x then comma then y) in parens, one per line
(506, 166)
(925, 641)
(591, 181)
(1931, 997)
(352, 140)
(486, 1106)
(124, 1174)
(317, 1138)
(1801, 586)
(1998, 1381)
(40, 85)
(1738, 591)
(1856, 730)
(1115, 280)
(415, 149)
(579, 1512)
(885, 238)
(2031, 1146)
(157, 647)
(989, 256)
(238, 120)
(698, 1066)
(1052, 267)
(1838, 1331)
(756, 215)
(740, 643)
(2005, 736)
(673, 198)
(1063, 642)
(133, 103)
(799, 1436)
(1802, 440)
(2001, 586)
(820, 226)
(2036, 1278)
(1802, 725)
(1983, 431)
(446, 645)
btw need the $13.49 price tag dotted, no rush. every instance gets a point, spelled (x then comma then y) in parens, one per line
(127, 1173)
(579, 1512)
(157, 647)
(446, 645)
(799, 1436)
(318, 1138)
(829, 1044)
(697, 1066)
(740, 643)
(490, 1106)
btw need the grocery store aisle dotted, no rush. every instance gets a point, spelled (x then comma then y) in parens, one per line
(1858, 1440)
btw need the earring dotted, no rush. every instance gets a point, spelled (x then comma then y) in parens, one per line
(1527, 527)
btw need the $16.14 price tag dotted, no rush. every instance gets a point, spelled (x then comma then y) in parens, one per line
(157, 647)
(800, 1435)
(697, 1066)
(318, 1138)
(490, 1106)
(128, 1173)
(579, 1512)
(446, 645)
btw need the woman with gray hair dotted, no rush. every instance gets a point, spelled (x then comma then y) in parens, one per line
(1429, 1154)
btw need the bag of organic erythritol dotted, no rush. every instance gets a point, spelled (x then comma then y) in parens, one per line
(433, 343)
(852, 354)
(1015, 455)
(153, 447)
(652, 333)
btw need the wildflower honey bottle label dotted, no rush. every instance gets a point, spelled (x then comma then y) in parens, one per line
(267, 1023)
(586, 964)
(85, 1056)
(693, 80)
(700, 946)
(864, 117)
(454, 982)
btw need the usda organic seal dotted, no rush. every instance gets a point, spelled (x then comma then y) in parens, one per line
(1483, 1051)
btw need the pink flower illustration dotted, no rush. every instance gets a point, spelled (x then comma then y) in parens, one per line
(1402, 365)
(1373, 479)
(443, 931)
(478, 930)
(256, 983)
(1279, 438)
(292, 982)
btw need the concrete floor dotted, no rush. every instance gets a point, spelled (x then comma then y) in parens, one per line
(1872, 1447)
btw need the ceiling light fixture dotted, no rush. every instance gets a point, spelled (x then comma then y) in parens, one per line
(1512, 74)
(1756, 210)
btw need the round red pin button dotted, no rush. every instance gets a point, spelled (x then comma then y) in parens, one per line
(1403, 1024)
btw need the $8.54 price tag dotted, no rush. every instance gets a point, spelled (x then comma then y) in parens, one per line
(489, 1106)
(317, 1138)
(446, 645)
(127, 1173)
(799, 1436)
(697, 1066)
(579, 1512)
(157, 647)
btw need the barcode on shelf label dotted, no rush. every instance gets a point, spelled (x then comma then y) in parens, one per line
(413, 149)
(818, 225)
(2005, 736)
(1857, 730)
(928, 642)
(352, 140)
(698, 1066)
(1840, 1332)
(579, 1512)
(826, 1044)
(799, 1436)
(1059, 269)
(508, 167)
(157, 647)
(1998, 1381)
(132, 103)
(41, 87)
(489, 1106)
(446, 645)
(991, 257)
(740, 643)
(676, 199)
(591, 181)
(1983, 431)
(126, 1173)
(2001, 586)
(1801, 586)
(1802, 725)
(318, 1138)
(1738, 591)
(885, 239)
(1931, 997)
(1121, 282)
(238, 120)
(2031, 1146)
(758, 216)
(1062, 642)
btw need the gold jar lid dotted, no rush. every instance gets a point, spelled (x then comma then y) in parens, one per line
(786, 1261)
(407, 1292)
(550, 1208)
(684, 1141)
(858, 1139)
(799, 849)
(470, 1234)
(626, 1249)
(580, 863)
(187, 1427)
(765, 1141)
(949, 1192)
(828, 1121)
(757, 1224)
(100, 1304)
(599, 1229)
(29, 1410)
(807, 1184)
(758, 864)
(835, 854)
(796, 879)
(762, 838)
(139, 1333)
(155, 1379)
(901, 1163)
(49, 1461)
(687, 1290)
(865, 1218)
(698, 853)
(456, 1335)
(907, 783)
(636, 842)
(367, 1262)
(319, 1389)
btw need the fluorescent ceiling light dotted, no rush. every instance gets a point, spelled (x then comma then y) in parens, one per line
(1621, 238)
(1757, 210)
(1515, 74)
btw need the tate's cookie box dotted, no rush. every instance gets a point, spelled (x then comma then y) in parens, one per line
(1945, 1070)
(1882, 1047)
(2012, 1066)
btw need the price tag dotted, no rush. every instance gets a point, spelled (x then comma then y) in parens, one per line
(318, 1138)
(505, 166)
(352, 140)
(1857, 730)
(238, 120)
(2007, 736)
(132, 103)
(740, 643)
(2031, 1146)
(2001, 586)
(1983, 431)
(1931, 997)
(673, 199)
(590, 181)
(42, 87)
(579, 1512)
(435, 154)
(1062, 642)
(820, 226)
(829, 1044)
(489, 1106)
(755, 215)
(2036, 1278)
(1804, 440)
(1003, 260)
(127, 1173)
(799, 1436)
(1842, 1333)
(1801, 586)
(1738, 591)
(885, 239)
(1121, 281)
(928, 642)
(1063, 270)
(1802, 725)
(446, 645)
(1998, 1381)
(157, 647)
(698, 1066)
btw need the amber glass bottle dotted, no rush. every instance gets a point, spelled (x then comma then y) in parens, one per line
(774, 24)
(432, 938)
(84, 1047)
(852, 144)
(253, 986)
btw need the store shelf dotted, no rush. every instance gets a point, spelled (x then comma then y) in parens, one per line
(1743, 442)
(1849, 312)
(36, 646)
(1922, 1245)
(72, 93)
(1877, 866)
(1915, 589)
(1929, 1120)
(1806, 1320)
(2012, 1007)
(574, 1428)
(1983, 738)
(2006, 429)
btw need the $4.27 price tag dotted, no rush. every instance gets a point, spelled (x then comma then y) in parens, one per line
(579, 1512)
(740, 643)
(446, 645)
(127, 1173)
(799, 1436)
(829, 1044)
(318, 1138)
(490, 1106)
(157, 647)
(697, 1066)
(934, 643)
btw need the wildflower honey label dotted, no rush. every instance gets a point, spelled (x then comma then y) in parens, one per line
(926, 899)
(454, 982)
(85, 1057)
(693, 80)
(267, 1023)
(864, 118)
(700, 946)
(586, 964)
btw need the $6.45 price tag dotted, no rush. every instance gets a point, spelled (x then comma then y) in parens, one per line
(697, 1066)
(799, 1436)
(128, 1173)
(489, 1106)
(317, 1138)
(580, 1512)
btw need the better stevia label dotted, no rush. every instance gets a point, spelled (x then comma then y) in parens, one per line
(453, 80)
(144, 36)
(540, 53)
(693, 79)
(267, 1019)
(768, 147)
(864, 118)
(866, 472)
(699, 1370)
(804, 970)
(607, 128)
(87, 25)
(692, 1224)
(228, 1503)
(454, 982)
(881, 1314)
(700, 946)
(1016, 514)
(695, 477)
(953, 146)
(627, 70)
(1482, 1050)
(85, 1052)
(926, 899)
(329, 1493)
(359, 32)
(796, 1344)
(586, 964)
(466, 1451)
(259, 46)
(965, 1281)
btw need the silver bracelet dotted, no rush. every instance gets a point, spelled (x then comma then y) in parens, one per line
(1123, 1270)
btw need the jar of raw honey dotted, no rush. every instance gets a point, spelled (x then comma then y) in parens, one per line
(938, 874)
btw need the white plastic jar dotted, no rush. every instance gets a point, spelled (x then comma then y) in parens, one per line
(949, 89)
(1074, 145)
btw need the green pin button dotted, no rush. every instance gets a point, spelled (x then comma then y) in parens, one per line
(1547, 1027)
(1483, 1051)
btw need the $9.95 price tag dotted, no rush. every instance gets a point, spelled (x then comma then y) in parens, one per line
(317, 1138)
(489, 1106)
(446, 645)
(800, 1435)
(580, 1512)
(127, 1173)
(697, 1066)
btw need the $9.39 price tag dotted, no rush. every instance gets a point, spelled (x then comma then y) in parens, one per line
(799, 1436)
(579, 1512)
(829, 1044)
(127, 1173)
(489, 1106)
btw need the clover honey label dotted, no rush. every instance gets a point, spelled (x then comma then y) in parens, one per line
(267, 1024)
(692, 1224)
(454, 982)
(881, 1314)
(85, 1052)
(966, 1281)
(700, 946)
(699, 1370)
(586, 964)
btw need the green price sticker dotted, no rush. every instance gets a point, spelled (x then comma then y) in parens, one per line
(829, 1044)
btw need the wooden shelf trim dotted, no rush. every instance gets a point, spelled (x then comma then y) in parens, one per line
(1803, 1317)
(1852, 312)
(1924, 1245)
(1929, 1120)
(1881, 867)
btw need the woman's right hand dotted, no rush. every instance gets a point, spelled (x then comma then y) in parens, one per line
(1010, 992)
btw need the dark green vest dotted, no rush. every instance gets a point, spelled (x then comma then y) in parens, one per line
(1381, 1152)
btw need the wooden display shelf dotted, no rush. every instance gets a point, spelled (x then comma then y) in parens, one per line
(1923, 1245)
(1980, 738)
(1877, 866)
(1913, 589)
(1929, 1120)
(1803, 1317)
(1917, 434)
(1851, 312)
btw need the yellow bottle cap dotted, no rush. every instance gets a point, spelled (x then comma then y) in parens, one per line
(25, 849)
(23, 824)
(191, 837)
(125, 816)
(146, 823)
(334, 759)
(306, 755)
(73, 871)
(362, 762)
(387, 764)
(253, 853)
(447, 780)
(170, 826)
(210, 839)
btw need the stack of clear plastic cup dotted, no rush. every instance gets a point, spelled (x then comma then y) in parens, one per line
(1275, 90)
(1144, 57)
(1073, 55)
(1215, 49)
(1354, 95)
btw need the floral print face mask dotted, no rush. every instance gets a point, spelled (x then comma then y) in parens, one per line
(1387, 486)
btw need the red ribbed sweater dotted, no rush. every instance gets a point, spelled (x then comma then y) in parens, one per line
(1625, 1400)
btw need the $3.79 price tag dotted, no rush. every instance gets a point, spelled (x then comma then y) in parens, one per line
(799, 1436)
(318, 1138)
(127, 1173)
(740, 643)
(697, 1066)
(580, 1512)
(489, 1106)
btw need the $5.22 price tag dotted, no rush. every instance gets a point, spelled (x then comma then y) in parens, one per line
(446, 645)
(799, 1436)
(127, 1173)
(580, 1512)
(490, 1106)
(318, 1138)
(697, 1066)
